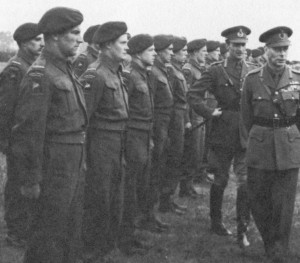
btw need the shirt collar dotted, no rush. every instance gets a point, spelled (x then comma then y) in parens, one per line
(109, 63)
(27, 57)
(138, 66)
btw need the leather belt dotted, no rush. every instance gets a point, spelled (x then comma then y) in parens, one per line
(274, 122)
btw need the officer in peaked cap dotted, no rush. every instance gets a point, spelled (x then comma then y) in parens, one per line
(91, 53)
(213, 50)
(227, 138)
(273, 160)
(48, 141)
(194, 139)
(30, 42)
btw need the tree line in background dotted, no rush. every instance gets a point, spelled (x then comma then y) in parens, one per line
(7, 46)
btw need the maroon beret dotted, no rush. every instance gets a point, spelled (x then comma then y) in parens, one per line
(139, 43)
(212, 45)
(109, 31)
(162, 41)
(223, 48)
(256, 53)
(89, 33)
(26, 32)
(59, 19)
(179, 43)
(196, 44)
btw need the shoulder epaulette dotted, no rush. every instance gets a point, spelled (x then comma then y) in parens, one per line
(295, 71)
(216, 63)
(254, 71)
(187, 66)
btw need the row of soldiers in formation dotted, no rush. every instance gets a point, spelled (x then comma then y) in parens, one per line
(92, 148)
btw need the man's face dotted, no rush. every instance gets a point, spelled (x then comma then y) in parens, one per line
(166, 54)
(181, 55)
(214, 55)
(148, 56)
(69, 42)
(201, 55)
(35, 45)
(237, 50)
(118, 48)
(277, 56)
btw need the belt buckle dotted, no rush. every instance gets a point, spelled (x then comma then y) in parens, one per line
(276, 121)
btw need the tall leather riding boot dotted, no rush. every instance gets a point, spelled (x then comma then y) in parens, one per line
(243, 215)
(216, 200)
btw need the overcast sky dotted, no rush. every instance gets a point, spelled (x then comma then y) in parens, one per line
(189, 18)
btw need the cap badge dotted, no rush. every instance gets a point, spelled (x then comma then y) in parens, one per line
(281, 35)
(240, 33)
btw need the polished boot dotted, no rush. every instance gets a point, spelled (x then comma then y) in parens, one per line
(216, 200)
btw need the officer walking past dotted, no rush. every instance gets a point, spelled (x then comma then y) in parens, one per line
(270, 101)
(17, 212)
(194, 137)
(227, 138)
(91, 53)
(107, 104)
(139, 141)
(48, 141)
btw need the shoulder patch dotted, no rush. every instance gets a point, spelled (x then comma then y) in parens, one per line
(216, 63)
(187, 66)
(295, 71)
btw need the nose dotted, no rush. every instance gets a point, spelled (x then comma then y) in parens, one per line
(80, 39)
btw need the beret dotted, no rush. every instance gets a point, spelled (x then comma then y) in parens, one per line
(179, 43)
(256, 53)
(237, 34)
(196, 44)
(162, 41)
(89, 33)
(59, 19)
(26, 31)
(212, 45)
(223, 48)
(139, 43)
(277, 36)
(109, 31)
(262, 49)
(248, 50)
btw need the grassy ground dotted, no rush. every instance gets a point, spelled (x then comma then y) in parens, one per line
(189, 240)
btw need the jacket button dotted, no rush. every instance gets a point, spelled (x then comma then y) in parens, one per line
(275, 115)
(276, 92)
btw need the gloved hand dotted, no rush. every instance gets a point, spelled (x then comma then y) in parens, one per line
(31, 191)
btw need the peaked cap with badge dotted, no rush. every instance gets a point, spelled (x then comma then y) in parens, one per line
(237, 34)
(277, 36)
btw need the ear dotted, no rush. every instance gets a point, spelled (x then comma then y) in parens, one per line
(266, 48)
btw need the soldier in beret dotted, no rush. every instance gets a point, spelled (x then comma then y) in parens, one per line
(107, 103)
(138, 144)
(213, 52)
(48, 140)
(91, 53)
(227, 139)
(30, 42)
(176, 127)
(256, 54)
(223, 51)
(194, 137)
(270, 103)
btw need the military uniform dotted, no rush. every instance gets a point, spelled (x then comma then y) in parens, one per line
(85, 59)
(163, 105)
(176, 132)
(270, 107)
(48, 148)
(16, 206)
(227, 138)
(107, 104)
(194, 140)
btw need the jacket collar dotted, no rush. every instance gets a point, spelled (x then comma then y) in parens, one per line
(26, 57)
(113, 66)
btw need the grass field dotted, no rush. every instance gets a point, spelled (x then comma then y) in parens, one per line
(189, 240)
